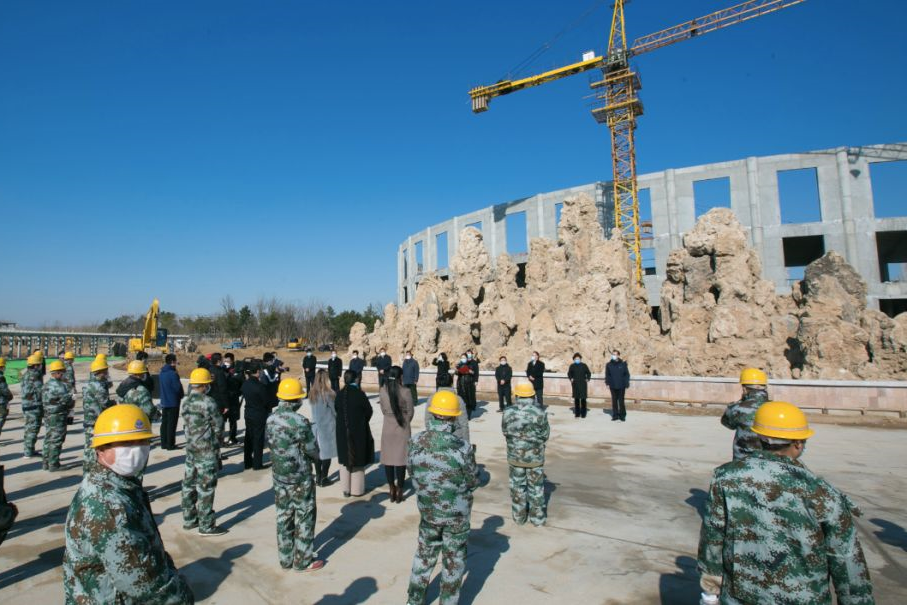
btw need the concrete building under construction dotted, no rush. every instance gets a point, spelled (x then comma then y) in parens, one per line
(795, 207)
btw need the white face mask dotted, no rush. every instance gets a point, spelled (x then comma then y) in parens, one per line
(130, 460)
(614, 358)
(382, 353)
(333, 355)
(409, 356)
(462, 360)
(534, 358)
(503, 362)
(469, 355)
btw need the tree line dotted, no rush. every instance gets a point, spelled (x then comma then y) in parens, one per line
(268, 321)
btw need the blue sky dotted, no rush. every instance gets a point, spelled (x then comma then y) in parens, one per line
(189, 150)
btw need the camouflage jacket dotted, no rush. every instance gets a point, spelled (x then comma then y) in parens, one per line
(56, 396)
(739, 416)
(139, 396)
(292, 443)
(201, 424)
(32, 382)
(777, 533)
(5, 394)
(114, 552)
(95, 399)
(69, 375)
(443, 470)
(525, 427)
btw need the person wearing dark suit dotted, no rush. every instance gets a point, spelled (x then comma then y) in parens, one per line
(309, 364)
(535, 372)
(503, 374)
(383, 364)
(579, 376)
(259, 404)
(335, 370)
(357, 364)
(443, 377)
(617, 377)
(234, 390)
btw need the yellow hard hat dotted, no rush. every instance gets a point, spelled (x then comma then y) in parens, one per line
(98, 364)
(524, 389)
(56, 366)
(781, 420)
(38, 353)
(200, 376)
(33, 360)
(69, 355)
(2, 362)
(445, 403)
(136, 367)
(123, 422)
(290, 389)
(100, 356)
(753, 376)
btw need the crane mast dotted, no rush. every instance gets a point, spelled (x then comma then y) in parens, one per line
(618, 101)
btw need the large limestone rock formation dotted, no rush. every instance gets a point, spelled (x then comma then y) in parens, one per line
(838, 336)
(578, 296)
(718, 315)
(717, 312)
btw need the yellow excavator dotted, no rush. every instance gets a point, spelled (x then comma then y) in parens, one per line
(153, 339)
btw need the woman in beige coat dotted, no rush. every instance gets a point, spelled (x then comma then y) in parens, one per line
(397, 408)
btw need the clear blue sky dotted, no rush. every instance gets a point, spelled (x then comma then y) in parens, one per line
(189, 150)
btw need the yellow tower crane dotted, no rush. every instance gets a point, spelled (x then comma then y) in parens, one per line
(620, 104)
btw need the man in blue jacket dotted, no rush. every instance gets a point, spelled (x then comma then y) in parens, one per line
(617, 377)
(171, 395)
(411, 375)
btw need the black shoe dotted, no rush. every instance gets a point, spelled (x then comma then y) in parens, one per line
(614, 418)
(212, 531)
(623, 419)
(583, 415)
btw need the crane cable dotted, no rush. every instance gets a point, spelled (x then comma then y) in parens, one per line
(525, 63)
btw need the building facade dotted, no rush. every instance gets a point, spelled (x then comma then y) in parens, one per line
(795, 207)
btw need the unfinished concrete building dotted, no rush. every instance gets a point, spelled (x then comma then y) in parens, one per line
(795, 207)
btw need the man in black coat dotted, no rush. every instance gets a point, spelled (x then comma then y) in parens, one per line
(234, 385)
(219, 388)
(617, 377)
(258, 406)
(535, 372)
(309, 364)
(355, 444)
(503, 374)
(383, 364)
(357, 364)
(335, 370)
(579, 376)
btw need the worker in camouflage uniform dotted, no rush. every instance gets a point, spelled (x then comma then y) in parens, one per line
(443, 471)
(133, 389)
(69, 373)
(6, 396)
(773, 531)
(203, 430)
(95, 399)
(525, 427)
(293, 449)
(114, 552)
(32, 382)
(739, 416)
(57, 401)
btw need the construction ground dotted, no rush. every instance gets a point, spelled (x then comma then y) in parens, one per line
(623, 519)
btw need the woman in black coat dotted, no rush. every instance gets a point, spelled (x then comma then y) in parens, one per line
(579, 376)
(443, 378)
(355, 445)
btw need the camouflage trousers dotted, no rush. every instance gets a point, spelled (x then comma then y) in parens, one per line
(451, 543)
(54, 435)
(89, 456)
(4, 412)
(296, 511)
(33, 418)
(527, 494)
(199, 481)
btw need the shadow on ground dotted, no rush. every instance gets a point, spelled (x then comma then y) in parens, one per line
(357, 592)
(890, 533)
(207, 574)
(353, 517)
(682, 586)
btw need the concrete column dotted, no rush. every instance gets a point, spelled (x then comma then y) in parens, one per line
(428, 251)
(533, 218)
(672, 216)
(453, 239)
(753, 204)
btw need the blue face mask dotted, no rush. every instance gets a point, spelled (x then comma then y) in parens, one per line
(577, 360)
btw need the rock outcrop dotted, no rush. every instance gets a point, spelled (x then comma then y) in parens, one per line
(717, 313)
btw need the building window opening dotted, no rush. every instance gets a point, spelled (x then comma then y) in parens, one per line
(405, 263)
(441, 251)
(477, 225)
(892, 250)
(655, 312)
(711, 193)
(515, 224)
(558, 210)
(892, 307)
(405, 295)
(798, 195)
(644, 197)
(889, 188)
(799, 252)
(420, 256)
